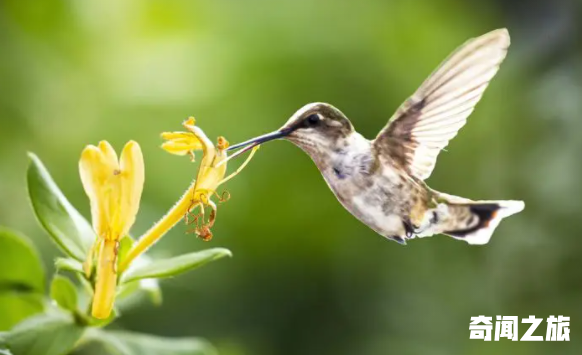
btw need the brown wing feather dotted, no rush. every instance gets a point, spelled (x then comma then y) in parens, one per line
(425, 123)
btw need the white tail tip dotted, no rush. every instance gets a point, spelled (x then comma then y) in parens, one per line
(506, 209)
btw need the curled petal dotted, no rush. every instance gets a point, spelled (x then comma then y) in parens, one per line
(207, 146)
(180, 147)
(181, 143)
(176, 136)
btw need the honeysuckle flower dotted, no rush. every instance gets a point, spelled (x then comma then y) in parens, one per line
(212, 168)
(114, 189)
(211, 174)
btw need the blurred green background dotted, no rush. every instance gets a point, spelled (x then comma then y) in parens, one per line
(307, 277)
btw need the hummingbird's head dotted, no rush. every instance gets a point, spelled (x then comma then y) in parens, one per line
(315, 126)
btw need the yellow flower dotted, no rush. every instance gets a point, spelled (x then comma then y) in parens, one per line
(210, 176)
(213, 166)
(114, 188)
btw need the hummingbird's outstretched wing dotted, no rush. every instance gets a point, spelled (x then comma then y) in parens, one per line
(432, 116)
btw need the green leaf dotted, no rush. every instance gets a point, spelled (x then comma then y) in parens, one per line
(68, 229)
(16, 306)
(21, 279)
(126, 290)
(45, 334)
(173, 266)
(63, 291)
(20, 265)
(152, 288)
(149, 287)
(128, 343)
(69, 264)
(131, 294)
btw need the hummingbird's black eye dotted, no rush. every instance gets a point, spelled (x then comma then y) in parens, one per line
(313, 120)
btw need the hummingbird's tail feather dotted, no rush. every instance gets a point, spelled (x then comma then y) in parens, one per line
(475, 221)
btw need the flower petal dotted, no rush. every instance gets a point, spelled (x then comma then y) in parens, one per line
(178, 136)
(111, 193)
(209, 177)
(109, 154)
(206, 144)
(208, 152)
(181, 143)
(94, 169)
(131, 180)
(180, 147)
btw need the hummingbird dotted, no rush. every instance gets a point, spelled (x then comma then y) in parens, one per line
(382, 181)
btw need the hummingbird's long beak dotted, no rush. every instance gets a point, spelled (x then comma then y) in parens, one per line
(261, 139)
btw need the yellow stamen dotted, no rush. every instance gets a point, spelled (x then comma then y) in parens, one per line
(241, 167)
